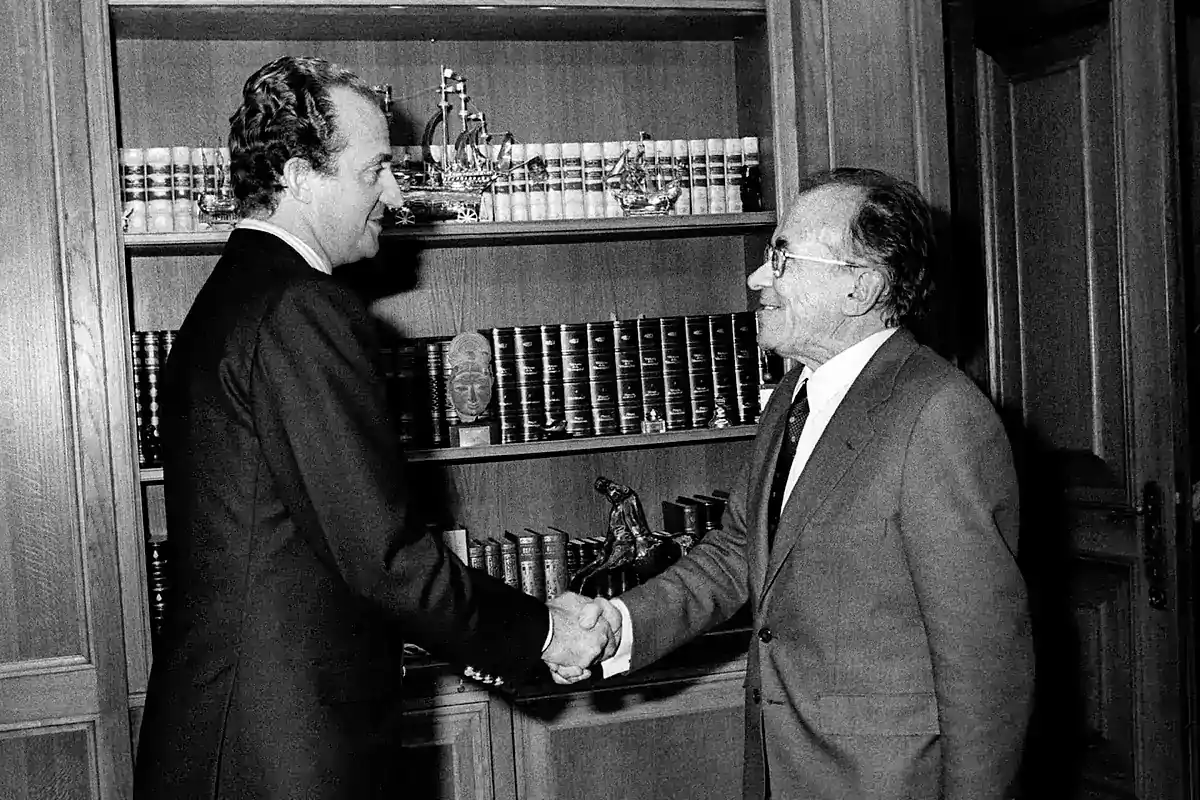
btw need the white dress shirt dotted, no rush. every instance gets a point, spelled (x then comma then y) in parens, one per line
(314, 259)
(827, 386)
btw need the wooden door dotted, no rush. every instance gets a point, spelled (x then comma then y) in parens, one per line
(64, 732)
(1064, 124)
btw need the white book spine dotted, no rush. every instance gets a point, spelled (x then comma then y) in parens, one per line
(519, 185)
(679, 154)
(593, 179)
(715, 148)
(612, 182)
(536, 176)
(554, 180)
(699, 167)
(573, 207)
(733, 176)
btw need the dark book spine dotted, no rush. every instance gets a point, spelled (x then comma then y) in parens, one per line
(676, 397)
(435, 433)
(149, 354)
(444, 400)
(577, 398)
(554, 560)
(747, 379)
(627, 365)
(402, 391)
(158, 585)
(574, 559)
(602, 377)
(724, 378)
(651, 369)
(700, 370)
(519, 385)
(552, 375)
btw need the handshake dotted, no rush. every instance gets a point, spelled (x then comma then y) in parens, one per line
(586, 631)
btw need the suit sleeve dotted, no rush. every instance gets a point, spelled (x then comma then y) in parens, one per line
(703, 589)
(958, 521)
(335, 456)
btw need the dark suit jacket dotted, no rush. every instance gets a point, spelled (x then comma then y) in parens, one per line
(891, 656)
(300, 561)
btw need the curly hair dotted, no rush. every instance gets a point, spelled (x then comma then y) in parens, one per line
(892, 229)
(286, 112)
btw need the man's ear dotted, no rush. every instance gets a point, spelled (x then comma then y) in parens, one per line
(297, 179)
(869, 289)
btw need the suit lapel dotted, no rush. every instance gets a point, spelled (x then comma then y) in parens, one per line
(840, 447)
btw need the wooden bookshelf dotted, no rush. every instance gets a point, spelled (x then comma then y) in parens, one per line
(590, 444)
(456, 234)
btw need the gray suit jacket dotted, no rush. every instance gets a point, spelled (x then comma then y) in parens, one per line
(891, 656)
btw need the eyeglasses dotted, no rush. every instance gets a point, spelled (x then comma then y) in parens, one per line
(778, 259)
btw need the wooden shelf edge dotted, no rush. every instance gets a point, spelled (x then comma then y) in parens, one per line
(629, 5)
(450, 233)
(590, 444)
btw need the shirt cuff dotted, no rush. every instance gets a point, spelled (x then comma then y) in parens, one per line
(549, 632)
(621, 659)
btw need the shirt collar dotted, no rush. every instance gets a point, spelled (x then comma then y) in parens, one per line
(828, 383)
(314, 259)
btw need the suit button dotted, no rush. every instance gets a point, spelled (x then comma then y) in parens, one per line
(756, 695)
(765, 635)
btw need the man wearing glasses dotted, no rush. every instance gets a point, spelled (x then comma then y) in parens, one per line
(873, 531)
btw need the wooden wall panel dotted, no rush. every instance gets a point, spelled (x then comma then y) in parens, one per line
(52, 763)
(1051, 223)
(541, 91)
(446, 753)
(40, 562)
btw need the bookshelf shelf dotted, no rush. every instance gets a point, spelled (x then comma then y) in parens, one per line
(396, 20)
(589, 444)
(450, 234)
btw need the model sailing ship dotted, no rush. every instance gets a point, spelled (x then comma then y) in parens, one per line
(454, 173)
(645, 189)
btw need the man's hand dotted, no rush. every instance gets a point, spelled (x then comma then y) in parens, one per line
(594, 626)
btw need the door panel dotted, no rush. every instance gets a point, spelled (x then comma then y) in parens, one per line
(63, 723)
(1073, 165)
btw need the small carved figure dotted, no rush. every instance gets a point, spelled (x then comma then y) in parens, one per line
(629, 542)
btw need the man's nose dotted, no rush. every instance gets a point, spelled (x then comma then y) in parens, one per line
(761, 278)
(391, 196)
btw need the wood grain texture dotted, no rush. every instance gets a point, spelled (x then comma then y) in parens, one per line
(446, 753)
(691, 732)
(540, 91)
(51, 764)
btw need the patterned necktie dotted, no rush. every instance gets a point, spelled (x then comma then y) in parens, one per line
(797, 415)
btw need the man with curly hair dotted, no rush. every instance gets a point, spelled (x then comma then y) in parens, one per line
(301, 559)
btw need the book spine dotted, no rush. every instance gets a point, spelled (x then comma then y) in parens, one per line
(683, 167)
(475, 556)
(675, 374)
(403, 390)
(715, 151)
(650, 369)
(724, 377)
(747, 378)
(734, 167)
(158, 585)
(554, 560)
(536, 176)
(574, 559)
(436, 434)
(698, 157)
(602, 378)
(160, 203)
(612, 181)
(445, 400)
(627, 363)
(493, 562)
(502, 188)
(573, 204)
(133, 189)
(183, 218)
(554, 180)
(664, 165)
(752, 199)
(529, 559)
(552, 375)
(577, 398)
(593, 180)
(519, 185)
(510, 562)
(699, 365)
